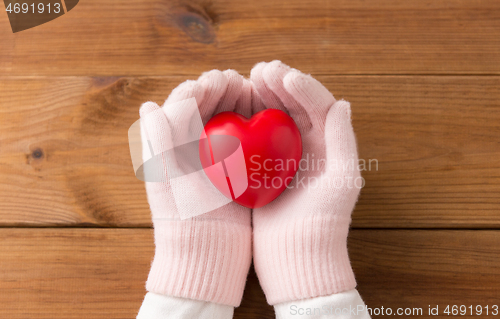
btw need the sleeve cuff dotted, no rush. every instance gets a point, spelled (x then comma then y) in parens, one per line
(156, 306)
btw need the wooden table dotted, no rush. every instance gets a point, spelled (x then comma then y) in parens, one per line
(423, 81)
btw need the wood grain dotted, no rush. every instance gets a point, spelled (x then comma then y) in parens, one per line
(433, 142)
(159, 37)
(423, 81)
(418, 268)
(100, 273)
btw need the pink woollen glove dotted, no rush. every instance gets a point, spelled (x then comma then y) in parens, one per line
(206, 257)
(300, 248)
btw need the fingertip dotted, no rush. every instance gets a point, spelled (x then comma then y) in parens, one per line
(256, 72)
(275, 71)
(184, 91)
(345, 107)
(214, 84)
(339, 117)
(204, 74)
(339, 132)
(295, 79)
(235, 80)
(259, 65)
(308, 91)
(147, 108)
(269, 98)
(209, 78)
(231, 73)
(278, 64)
(212, 79)
(275, 62)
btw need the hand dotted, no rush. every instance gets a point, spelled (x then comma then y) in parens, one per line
(206, 257)
(300, 248)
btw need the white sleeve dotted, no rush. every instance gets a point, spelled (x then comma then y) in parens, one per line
(157, 306)
(344, 305)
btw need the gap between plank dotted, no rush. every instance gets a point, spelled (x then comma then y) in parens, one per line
(352, 228)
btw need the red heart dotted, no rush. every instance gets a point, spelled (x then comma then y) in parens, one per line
(271, 147)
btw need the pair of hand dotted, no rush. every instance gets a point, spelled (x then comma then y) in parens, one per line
(299, 239)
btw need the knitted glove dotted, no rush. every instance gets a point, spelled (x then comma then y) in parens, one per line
(300, 248)
(206, 257)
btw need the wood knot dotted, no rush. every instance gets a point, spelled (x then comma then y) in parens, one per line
(197, 24)
(35, 158)
(37, 153)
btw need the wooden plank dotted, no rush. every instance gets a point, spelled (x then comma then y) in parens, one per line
(334, 37)
(64, 157)
(437, 142)
(418, 268)
(96, 273)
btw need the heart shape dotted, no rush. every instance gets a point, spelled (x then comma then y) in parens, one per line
(255, 168)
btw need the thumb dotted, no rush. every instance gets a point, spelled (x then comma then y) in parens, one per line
(157, 138)
(341, 149)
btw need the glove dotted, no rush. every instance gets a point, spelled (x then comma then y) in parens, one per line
(207, 257)
(300, 239)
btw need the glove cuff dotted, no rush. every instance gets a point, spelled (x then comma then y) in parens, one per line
(303, 258)
(204, 260)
